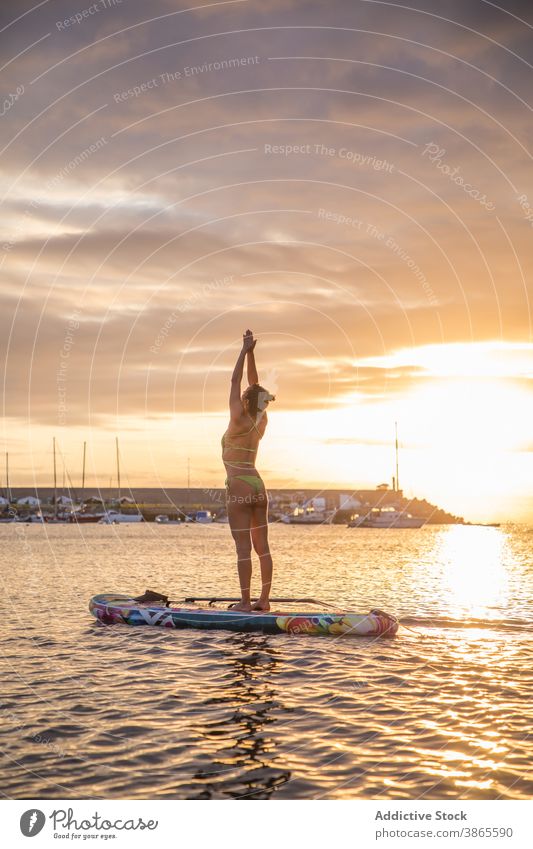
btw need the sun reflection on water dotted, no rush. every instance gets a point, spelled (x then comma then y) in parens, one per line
(475, 570)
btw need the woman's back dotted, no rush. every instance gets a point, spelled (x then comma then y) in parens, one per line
(240, 443)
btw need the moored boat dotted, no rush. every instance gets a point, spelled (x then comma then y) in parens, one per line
(312, 512)
(386, 517)
(204, 517)
(83, 518)
(113, 517)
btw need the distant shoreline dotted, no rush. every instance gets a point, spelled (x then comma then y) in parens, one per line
(174, 499)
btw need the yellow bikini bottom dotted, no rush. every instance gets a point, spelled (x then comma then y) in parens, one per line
(252, 480)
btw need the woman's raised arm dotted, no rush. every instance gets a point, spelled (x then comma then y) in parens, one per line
(235, 403)
(236, 377)
(251, 368)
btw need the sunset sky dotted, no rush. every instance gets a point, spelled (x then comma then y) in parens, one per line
(352, 180)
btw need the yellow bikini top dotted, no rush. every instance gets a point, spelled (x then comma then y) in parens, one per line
(226, 444)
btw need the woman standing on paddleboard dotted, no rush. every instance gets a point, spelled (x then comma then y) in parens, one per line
(246, 497)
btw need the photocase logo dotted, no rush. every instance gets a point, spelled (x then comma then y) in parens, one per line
(32, 822)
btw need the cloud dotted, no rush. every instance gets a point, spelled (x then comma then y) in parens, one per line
(183, 192)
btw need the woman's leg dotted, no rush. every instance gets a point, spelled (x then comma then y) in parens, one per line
(259, 533)
(239, 517)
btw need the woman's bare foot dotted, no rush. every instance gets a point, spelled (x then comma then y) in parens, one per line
(261, 606)
(241, 606)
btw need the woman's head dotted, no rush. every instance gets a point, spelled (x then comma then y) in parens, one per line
(255, 399)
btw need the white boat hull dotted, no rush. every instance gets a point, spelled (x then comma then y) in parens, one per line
(406, 522)
(120, 518)
(307, 520)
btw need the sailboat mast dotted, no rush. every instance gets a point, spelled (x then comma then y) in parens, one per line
(8, 490)
(83, 471)
(118, 475)
(397, 478)
(55, 479)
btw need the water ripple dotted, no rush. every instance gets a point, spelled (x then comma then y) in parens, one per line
(112, 712)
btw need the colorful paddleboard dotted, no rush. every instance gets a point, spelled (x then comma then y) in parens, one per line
(112, 608)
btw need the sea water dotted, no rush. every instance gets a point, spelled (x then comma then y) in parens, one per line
(441, 711)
